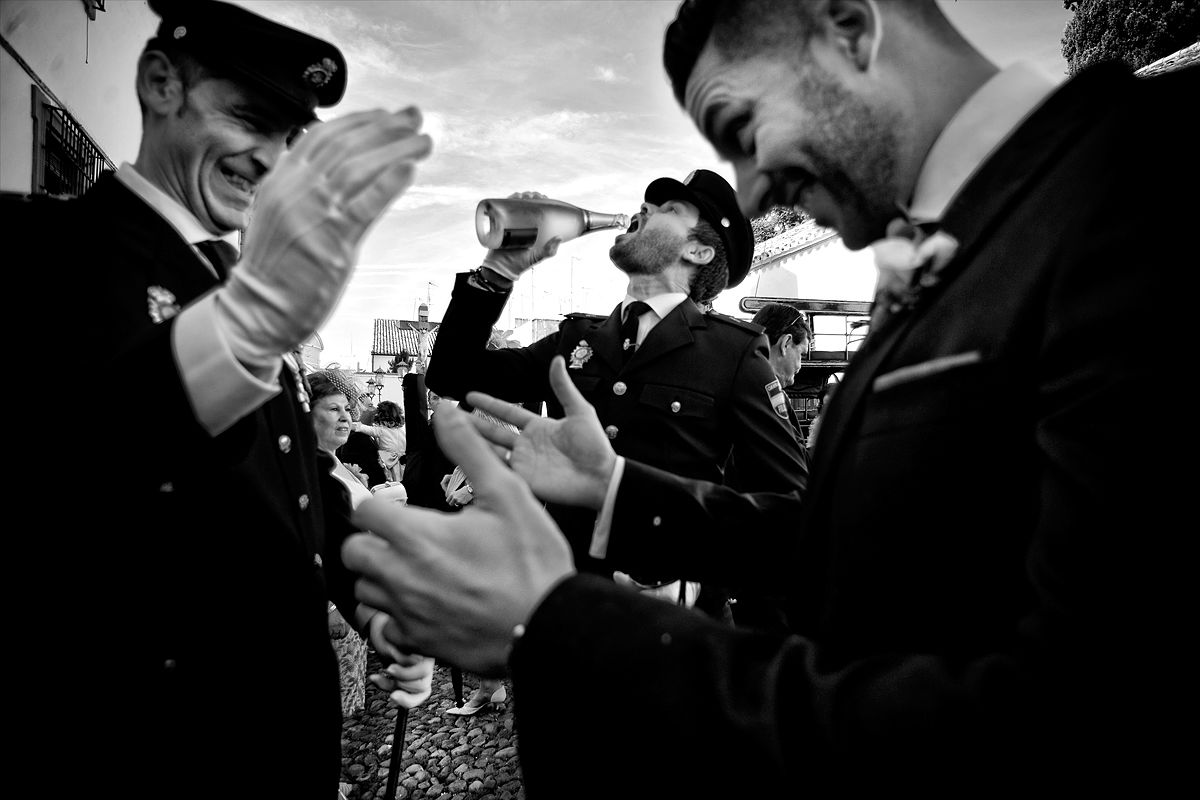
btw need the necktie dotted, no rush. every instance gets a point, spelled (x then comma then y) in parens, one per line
(629, 328)
(221, 254)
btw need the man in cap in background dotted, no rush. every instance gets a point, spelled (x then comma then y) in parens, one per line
(673, 385)
(194, 583)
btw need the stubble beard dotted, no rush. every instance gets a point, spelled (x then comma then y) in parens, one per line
(853, 146)
(649, 253)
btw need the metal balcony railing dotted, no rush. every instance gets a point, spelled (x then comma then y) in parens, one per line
(66, 160)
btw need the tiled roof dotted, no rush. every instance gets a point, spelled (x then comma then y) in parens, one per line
(805, 235)
(1177, 60)
(394, 335)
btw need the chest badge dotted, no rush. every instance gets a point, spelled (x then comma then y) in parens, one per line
(580, 355)
(161, 303)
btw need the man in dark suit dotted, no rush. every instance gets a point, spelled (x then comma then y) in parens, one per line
(193, 568)
(674, 387)
(987, 594)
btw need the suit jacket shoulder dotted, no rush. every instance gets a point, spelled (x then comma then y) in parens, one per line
(751, 329)
(585, 316)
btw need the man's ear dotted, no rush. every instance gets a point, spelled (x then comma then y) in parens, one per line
(159, 84)
(697, 253)
(855, 28)
(784, 341)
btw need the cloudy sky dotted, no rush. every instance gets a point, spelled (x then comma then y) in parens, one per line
(563, 97)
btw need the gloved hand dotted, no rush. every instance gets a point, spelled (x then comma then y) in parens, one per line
(408, 679)
(308, 220)
(511, 264)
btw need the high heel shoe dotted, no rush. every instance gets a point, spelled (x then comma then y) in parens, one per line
(479, 701)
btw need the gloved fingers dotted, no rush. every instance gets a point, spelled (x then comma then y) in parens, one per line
(378, 182)
(417, 669)
(411, 698)
(332, 142)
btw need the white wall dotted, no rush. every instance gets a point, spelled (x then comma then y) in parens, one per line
(90, 66)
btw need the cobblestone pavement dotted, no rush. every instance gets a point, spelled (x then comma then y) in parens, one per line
(444, 757)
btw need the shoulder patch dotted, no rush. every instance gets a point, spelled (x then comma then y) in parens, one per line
(749, 327)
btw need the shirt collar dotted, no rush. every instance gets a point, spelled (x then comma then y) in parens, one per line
(180, 218)
(660, 304)
(973, 133)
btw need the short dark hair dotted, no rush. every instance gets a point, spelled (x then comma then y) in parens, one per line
(709, 279)
(389, 415)
(780, 318)
(742, 26)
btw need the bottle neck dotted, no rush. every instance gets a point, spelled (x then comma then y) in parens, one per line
(593, 221)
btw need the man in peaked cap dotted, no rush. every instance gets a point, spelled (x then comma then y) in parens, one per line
(672, 384)
(222, 523)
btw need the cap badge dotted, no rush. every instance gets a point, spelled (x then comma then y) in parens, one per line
(161, 304)
(179, 32)
(689, 177)
(580, 355)
(320, 73)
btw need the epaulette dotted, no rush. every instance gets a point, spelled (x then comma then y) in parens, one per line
(746, 325)
(582, 315)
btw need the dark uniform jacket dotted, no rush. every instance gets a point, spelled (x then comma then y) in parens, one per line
(694, 390)
(988, 592)
(183, 578)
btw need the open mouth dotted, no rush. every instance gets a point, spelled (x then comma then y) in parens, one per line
(238, 182)
(635, 222)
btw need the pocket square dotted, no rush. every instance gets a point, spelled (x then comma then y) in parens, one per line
(933, 366)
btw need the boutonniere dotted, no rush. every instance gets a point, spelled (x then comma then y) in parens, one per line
(909, 262)
(580, 355)
(161, 303)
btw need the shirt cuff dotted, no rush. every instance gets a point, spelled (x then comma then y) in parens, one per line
(221, 389)
(599, 546)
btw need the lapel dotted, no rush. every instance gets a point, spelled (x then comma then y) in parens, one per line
(672, 332)
(1002, 181)
(138, 226)
(605, 339)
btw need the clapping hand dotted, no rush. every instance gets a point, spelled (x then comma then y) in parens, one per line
(309, 217)
(457, 584)
(566, 460)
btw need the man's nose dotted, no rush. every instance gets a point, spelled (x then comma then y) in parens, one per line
(267, 151)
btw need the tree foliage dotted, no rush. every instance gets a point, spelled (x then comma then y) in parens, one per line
(1138, 32)
(777, 220)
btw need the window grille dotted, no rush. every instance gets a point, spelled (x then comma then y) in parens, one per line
(65, 159)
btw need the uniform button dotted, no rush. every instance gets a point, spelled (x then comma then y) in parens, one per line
(167, 487)
(675, 406)
(303, 502)
(619, 388)
(285, 444)
(317, 561)
(611, 431)
(656, 521)
(169, 664)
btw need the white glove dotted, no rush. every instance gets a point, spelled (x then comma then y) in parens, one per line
(409, 678)
(512, 264)
(308, 220)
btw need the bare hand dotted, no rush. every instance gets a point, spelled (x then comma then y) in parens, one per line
(566, 460)
(457, 584)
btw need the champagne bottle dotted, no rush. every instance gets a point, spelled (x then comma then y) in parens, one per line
(511, 223)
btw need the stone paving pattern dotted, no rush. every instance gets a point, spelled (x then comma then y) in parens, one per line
(444, 758)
